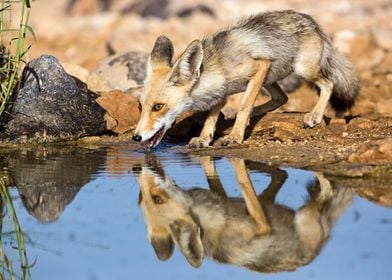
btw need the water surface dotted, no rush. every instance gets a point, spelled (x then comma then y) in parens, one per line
(79, 210)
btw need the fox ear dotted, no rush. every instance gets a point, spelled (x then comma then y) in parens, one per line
(162, 53)
(187, 238)
(187, 68)
(163, 247)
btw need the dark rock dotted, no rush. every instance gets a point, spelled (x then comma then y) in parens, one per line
(149, 8)
(188, 11)
(51, 106)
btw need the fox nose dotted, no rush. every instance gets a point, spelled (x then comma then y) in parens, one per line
(137, 169)
(137, 138)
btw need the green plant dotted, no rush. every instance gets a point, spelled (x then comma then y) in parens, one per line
(7, 238)
(12, 45)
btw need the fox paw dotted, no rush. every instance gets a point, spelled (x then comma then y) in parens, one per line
(199, 142)
(229, 140)
(311, 120)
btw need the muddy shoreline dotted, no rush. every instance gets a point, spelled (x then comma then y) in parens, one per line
(358, 150)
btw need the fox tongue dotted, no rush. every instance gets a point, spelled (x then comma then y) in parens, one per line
(156, 138)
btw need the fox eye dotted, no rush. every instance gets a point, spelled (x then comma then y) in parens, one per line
(157, 199)
(157, 107)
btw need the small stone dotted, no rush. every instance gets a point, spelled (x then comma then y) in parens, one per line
(361, 123)
(283, 135)
(111, 122)
(122, 108)
(375, 152)
(338, 121)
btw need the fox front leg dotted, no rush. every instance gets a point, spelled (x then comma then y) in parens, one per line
(207, 133)
(236, 135)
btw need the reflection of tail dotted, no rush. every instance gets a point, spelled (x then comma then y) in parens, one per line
(316, 219)
(332, 202)
(338, 204)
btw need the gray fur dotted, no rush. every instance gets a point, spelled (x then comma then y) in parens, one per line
(275, 36)
(255, 53)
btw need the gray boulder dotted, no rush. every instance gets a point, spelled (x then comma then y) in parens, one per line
(51, 106)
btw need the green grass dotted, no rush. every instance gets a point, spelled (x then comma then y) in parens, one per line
(9, 220)
(12, 45)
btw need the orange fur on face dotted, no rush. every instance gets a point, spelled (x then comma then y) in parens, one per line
(159, 90)
(158, 216)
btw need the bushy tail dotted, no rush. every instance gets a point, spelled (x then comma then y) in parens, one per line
(339, 70)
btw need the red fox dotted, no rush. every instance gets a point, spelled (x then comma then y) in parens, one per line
(256, 52)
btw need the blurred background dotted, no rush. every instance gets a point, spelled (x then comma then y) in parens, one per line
(85, 32)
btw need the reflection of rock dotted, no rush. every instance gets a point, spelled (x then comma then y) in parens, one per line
(51, 107)
(382, 196)
(48, 179)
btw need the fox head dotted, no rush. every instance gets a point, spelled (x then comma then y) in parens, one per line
(167, 89)
(168, 217)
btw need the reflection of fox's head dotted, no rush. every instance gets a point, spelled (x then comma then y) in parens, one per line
(167, 213)
(167, 89)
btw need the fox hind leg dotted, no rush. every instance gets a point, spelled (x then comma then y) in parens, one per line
(307, 65)
(316, 115)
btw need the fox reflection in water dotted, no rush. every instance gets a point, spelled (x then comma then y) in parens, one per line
(254, 232)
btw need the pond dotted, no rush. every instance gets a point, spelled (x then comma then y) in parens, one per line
(90, 213)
